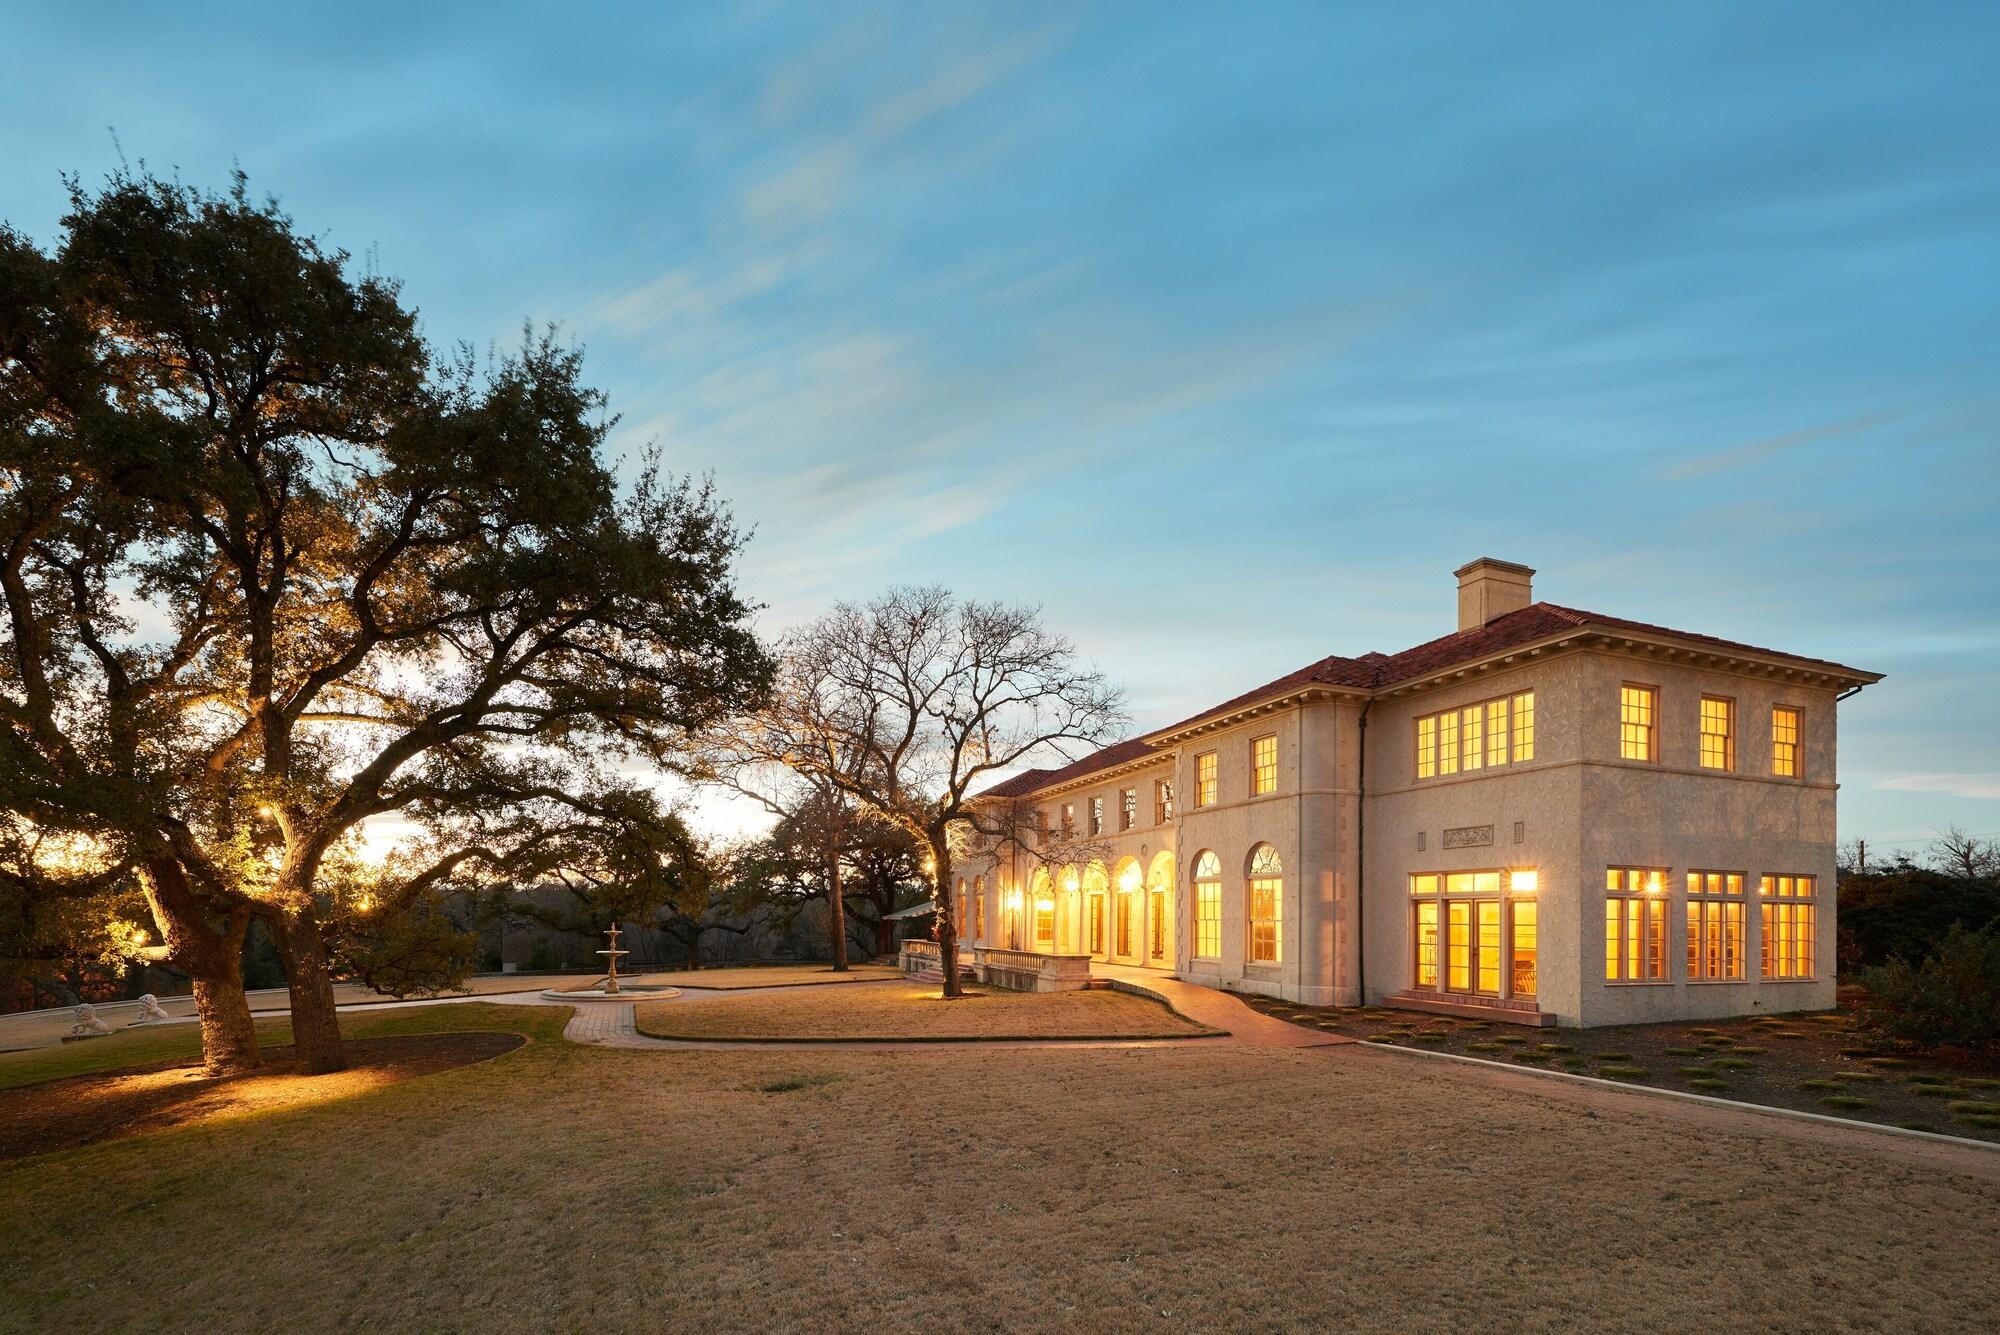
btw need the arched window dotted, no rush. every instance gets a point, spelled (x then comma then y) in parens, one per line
(1207, 880)
(1267, 899)
(958, 922)
(1159, 909)
(979, 908)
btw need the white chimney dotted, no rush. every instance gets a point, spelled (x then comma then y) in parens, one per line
(1488, 588)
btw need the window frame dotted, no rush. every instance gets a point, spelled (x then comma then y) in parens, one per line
(1207, 906)
(1128, 808)
(1096, 814)
(1804, 908)
(1163, 801)
(1263, 776)
(1273, 877)
(1207, 786)
(1695, 915)
(1474, 738)
(1432, 894)
(1652, 724)
(1797, 743)
(1632, 963)
(1727, 736)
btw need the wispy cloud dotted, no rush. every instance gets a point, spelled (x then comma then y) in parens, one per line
(1981, 786)
(1770, 447)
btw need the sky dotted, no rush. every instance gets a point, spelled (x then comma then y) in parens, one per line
(1221, 333)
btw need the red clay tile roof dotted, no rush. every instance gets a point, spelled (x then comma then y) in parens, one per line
(1374, 672)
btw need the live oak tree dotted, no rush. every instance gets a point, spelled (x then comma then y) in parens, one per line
(273, 569)
(921, 699)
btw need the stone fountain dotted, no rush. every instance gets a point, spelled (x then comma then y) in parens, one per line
(611, 989)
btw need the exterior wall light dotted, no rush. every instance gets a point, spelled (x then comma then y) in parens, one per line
(1524, 881)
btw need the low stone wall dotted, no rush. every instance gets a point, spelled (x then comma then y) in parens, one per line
(917, 956)
(1031, 971)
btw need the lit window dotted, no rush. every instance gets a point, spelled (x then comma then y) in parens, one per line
(1496, 732)
(979, 908)
(1714, 925)
(958, 920)
(1121, 908)
(1487, 735)
(1069, 820)
(1208, 906)
(1093, 912)
(1263, 766)
(1267, 896)
(1159, 922)
(1163, 801)
(1204, 779)
(1635, 925)
(1045, 923)
(1788, 918)
(1718, 733)
(1785, 742)
(1638, 737)
(1524, 726)
(1521, 974)
(1468, 937)
(1128, 808)
(1096, 816)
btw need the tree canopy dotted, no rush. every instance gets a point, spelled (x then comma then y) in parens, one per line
(273, 568)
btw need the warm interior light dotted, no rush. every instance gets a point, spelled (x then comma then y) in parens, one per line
(1013, 899)
(1128, 880)
(1044, 905)
(1524, 881)
(1654, 884)
(1069, 883)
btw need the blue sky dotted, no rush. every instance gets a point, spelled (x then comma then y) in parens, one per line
(1224, 333)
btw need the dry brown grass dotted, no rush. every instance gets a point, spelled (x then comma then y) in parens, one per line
(915, 1011)
(560, 1187)
(770, 975)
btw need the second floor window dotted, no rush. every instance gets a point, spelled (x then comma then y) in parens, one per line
(1638, 728)
(1263, 766)
(1489, 734)
(1785, 742)
(1718, 733)
(1163, 801)
(1204, 779)
(1096, 816)
(1128, 808)
(1069, 820)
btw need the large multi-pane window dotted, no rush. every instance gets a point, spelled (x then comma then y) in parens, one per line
(1714, 925)
(1718, 733)
(1093, 920)
(1096, 816)
(1638, 722)
(1785, 742)
(1128, 808)
(1045, 920)
(1491, 733)
(1635, 925)
(1069, 820)
(1163, 801)
(1207, 906)
(1787, 915)
(959, 919)
(979, 908)
(1204, 779)
(1267, 898)
(1470, 937)
(1263, 766)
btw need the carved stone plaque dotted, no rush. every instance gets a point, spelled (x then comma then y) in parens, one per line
(1469, 836)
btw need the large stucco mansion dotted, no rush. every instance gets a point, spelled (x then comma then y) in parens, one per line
(1548, 816)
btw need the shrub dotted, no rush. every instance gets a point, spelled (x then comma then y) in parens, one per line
(1708, 1082)
(1846, 1102)
(1682, 1052)
(1623, 1072)
(1820, 1084)
(1952, 999)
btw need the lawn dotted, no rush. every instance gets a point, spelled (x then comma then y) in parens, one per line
(768, 975)
(915, 1011)
(1187, 1186)
(1809, 1062)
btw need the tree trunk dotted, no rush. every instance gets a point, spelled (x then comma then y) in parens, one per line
(694, 949)
(209, 948)
(947, 926)
(228, 1032)
(315, 1024)
(836, 908)
(885, 934)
